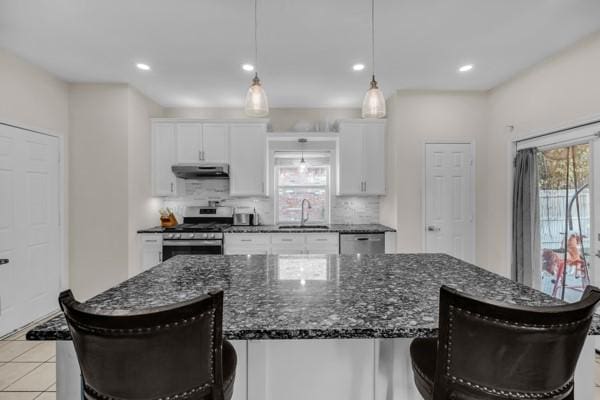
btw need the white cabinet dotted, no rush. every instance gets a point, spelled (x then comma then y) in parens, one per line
(247, 150)
(151, 250)
(189, 142)
(361, 161)
(247, 243)
(215, 143)
(282, 243)
(163, 157)
(202, 142)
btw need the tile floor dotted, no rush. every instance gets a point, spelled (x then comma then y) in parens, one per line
(28, 369)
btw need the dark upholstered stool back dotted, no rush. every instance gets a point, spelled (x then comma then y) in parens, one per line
(487, 350)
(160, 353)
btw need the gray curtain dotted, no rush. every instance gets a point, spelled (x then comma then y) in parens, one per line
(525, 219)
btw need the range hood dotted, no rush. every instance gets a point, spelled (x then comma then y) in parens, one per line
(201, 171)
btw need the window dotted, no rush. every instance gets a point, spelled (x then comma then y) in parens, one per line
(294, 185)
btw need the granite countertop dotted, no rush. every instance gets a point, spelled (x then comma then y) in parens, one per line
(341, 228)
(310, 296)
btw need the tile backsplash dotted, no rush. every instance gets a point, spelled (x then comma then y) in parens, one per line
(344, 209)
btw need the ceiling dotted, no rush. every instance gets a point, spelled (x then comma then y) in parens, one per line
(307, 47)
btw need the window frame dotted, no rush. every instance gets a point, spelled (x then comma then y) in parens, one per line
(327, 195)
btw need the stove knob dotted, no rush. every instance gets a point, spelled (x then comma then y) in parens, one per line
(177, 236)
(168, 235)
(191, 236)
(212, 235)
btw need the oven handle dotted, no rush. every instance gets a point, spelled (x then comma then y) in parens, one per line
(192, 243)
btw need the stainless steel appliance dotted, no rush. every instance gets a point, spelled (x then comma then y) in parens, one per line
(200, 171)
(242, 219)
(353, 243)
(200, 233)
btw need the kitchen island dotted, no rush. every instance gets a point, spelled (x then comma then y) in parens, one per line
(311, 326)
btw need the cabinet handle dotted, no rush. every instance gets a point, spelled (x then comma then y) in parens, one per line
(160, 256)
(286, 240)
(262, 185)
(171, 187)
(4, 261)
(199, 155)
(321, 240)
(246, 240)
(202, 155)
(365, 186)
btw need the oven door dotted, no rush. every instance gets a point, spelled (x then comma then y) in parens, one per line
(172, 248)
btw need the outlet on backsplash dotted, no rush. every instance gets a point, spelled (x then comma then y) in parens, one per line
(344, 210)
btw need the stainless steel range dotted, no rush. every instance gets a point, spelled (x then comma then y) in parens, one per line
(200, 233)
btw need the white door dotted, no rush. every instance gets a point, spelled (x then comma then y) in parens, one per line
(449, 200)
(248, 158)
(163, 157)
(216, 143)
(350, 171)
(29, 227)
(189, 142)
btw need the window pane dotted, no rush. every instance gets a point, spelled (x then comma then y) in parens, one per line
(290, 204)
(314, 176)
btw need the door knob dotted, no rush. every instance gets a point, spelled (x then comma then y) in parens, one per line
(433, 228)
(598, 254)
(3, 261)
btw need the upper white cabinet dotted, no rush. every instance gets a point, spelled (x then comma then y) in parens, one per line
(247, 151)
(199, 142)
(242, 144)
(215, 143)
(164, 182)
(361, 161)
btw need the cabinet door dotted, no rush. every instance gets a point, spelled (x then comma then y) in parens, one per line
(163, 157)
(215, 143)
(350, 171)
(189, 142)
(374, 159)
(151, 250)
(247, 150)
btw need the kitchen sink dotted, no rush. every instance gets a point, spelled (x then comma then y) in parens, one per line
(304, 227)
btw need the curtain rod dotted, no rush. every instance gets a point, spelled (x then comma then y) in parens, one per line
(559, 131)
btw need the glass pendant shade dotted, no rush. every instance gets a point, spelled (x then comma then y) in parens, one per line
(302, 167)
(374, 103)
(256, 100)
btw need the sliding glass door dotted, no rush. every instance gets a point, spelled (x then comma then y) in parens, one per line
(565, 201)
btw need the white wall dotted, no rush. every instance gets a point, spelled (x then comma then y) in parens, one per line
(282, 119)
(561, 91)
(99, 193)
(415, 117)
(142, 207)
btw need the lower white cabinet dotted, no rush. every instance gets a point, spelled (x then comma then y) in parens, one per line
(282, 243)
(151, 250)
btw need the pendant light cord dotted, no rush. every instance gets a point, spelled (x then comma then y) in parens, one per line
(256, 36)
(373, 38)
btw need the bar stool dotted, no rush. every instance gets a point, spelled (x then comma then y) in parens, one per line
(487, 350)
(171, 352)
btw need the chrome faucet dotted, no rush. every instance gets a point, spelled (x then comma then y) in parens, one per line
(302, 219)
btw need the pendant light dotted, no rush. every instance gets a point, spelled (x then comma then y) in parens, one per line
(374, 103)
(256, 98)
(302, 167)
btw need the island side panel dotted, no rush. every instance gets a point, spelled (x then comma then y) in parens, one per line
(317, 369)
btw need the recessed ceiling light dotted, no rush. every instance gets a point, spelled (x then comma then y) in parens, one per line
(143, 67)
(466, 68)
(248, 67)
(358, 67)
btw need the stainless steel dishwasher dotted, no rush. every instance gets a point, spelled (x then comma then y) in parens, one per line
(354, 243)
